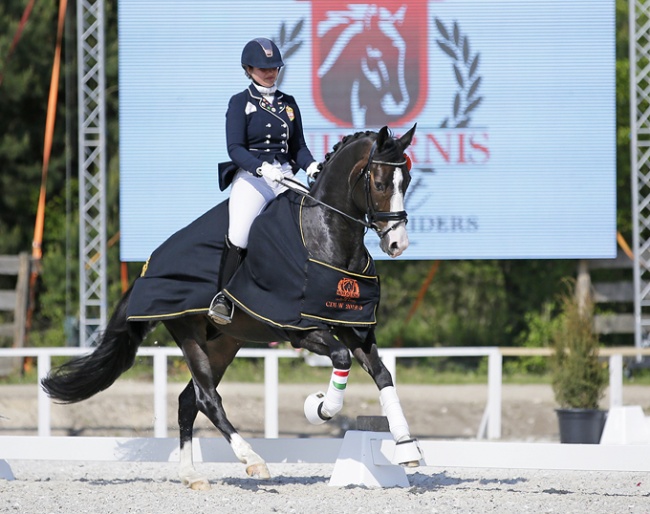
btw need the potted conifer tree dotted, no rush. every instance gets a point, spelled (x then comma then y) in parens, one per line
(578, 377)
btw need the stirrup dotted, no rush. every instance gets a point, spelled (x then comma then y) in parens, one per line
(221, 309)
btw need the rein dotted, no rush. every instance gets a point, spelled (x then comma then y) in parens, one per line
(291, 183)
(372, 215)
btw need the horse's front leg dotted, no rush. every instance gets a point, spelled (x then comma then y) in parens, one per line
(323, 406)
(407, 450)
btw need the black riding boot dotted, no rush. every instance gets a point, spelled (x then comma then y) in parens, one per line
(221, 308)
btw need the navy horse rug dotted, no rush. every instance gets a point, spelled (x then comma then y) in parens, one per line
(278, 283)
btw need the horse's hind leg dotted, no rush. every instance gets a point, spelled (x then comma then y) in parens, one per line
(187, 412)
(207, 362)
(219, 356)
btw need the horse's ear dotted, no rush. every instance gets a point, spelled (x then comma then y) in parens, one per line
(382, 136)
(406, 139)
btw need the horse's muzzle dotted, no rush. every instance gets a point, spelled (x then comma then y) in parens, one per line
(394, 240)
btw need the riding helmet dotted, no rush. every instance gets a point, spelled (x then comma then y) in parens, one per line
(261, 53)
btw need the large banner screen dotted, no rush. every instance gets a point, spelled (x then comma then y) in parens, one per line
(514, 100)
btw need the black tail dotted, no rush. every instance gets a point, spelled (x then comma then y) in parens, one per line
(83, 377)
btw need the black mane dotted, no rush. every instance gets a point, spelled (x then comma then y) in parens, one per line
(389, 144)
(347, 140)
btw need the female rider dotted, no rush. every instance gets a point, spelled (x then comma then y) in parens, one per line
(266, 143)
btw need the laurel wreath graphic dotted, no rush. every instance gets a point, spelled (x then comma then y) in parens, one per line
(288, 44)
(465, 66)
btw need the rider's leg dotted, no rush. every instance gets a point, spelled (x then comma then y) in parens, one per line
(248, 197)
(221, 308)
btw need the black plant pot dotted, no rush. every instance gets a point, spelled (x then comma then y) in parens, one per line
(581, 426)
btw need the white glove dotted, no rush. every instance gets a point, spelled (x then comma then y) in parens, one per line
(313, 169)
(270, 172)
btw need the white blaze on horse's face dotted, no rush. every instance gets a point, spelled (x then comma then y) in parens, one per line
(396, 240)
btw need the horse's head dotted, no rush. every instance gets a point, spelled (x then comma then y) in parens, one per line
(386, 176)
(362, 184)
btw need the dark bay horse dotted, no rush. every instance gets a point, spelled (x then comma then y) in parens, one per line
(362, 185)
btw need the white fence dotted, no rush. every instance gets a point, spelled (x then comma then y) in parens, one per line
(490, 426)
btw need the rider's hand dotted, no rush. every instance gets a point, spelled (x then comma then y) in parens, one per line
(313, 169)
(270, 172)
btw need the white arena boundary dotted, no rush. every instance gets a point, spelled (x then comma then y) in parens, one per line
(468, 454)
(490, 426)
(362, 458)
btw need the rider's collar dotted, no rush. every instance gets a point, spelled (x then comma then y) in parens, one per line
(265, 90)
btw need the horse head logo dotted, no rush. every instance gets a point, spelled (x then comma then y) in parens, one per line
(367, 64)
(348, 288)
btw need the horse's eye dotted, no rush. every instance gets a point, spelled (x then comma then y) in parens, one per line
(380, 186)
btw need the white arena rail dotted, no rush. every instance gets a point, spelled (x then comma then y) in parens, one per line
(490, 426)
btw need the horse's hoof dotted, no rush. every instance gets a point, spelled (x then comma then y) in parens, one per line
(258, 471)
(408, 453)
(313, 406)
(200, 485)
(197, 484)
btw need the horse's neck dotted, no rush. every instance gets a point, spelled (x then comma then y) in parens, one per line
(329, 235)
(331, 238)
(349, 256)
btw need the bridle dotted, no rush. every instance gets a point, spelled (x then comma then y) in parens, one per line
(371, 217)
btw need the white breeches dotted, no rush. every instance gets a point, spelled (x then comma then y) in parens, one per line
(249, 195)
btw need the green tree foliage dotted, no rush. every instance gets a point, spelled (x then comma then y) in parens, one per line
(468, 303)
(23, 107)
(464, 305)
(623, 165)
(23, 111)
(55, 306)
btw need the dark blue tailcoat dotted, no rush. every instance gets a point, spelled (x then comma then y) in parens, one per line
(258, 131)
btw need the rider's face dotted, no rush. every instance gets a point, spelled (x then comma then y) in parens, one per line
(264, 76)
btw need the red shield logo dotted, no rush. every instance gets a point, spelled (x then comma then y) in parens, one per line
(369, 61)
